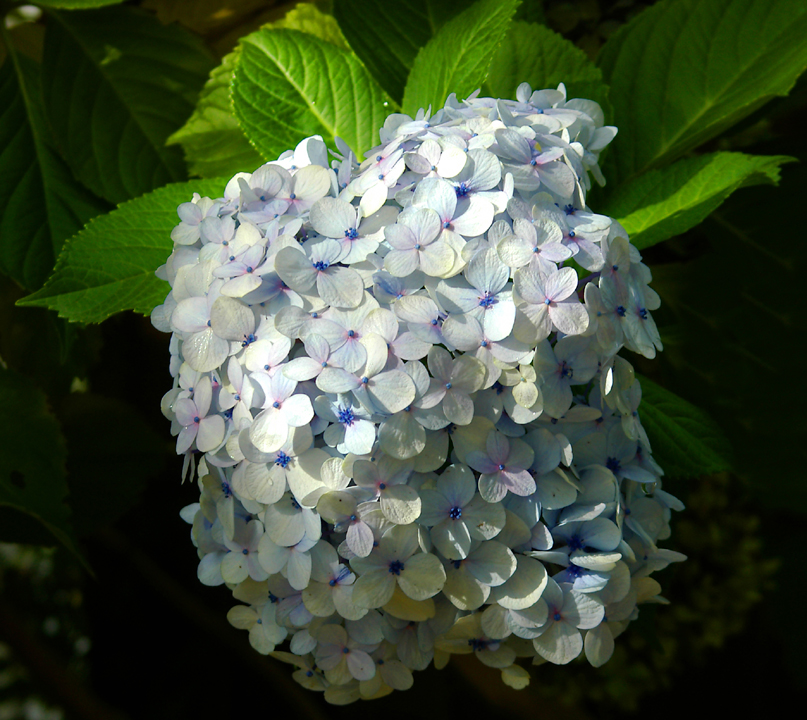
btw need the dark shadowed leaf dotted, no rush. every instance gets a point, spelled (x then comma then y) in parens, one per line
(116, 84)
(683, 71)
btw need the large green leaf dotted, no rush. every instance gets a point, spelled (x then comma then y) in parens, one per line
(537, 55)
(289, 85)
(41, 204)
(662, 203)
(387, 36)
(457, 58)
(32, 462)
(685, 70)
(109, 266)
(213, 142)
(686, 442)
(116, 84)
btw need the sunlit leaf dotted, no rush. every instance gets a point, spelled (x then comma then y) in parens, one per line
(289, 85)
(109, 266)
(662, 203)
(390, 55)
(213, 142)
(457, 58)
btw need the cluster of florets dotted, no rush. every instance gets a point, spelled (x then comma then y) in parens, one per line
(400, 384)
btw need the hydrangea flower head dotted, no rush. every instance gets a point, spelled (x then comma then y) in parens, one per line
(412, 432)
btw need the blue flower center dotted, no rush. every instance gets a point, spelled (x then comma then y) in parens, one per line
(462, 189)
(575, 542)
(345, 416)
(613, 465)
(248, 340)
(395, 567)
(282, 459)
(486, 300)
(321, 265)
(569, 209)
(226, 489)
(478, 644)
(351, 233)
(455, 513)
(620, 310)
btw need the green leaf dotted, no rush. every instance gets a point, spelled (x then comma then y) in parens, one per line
(32, 459)
(308, 18)
(289, 85)
(41, 204)
(662, 203)
(683, 71)
(456, 59)
(686, 442)
(116, 84)
(537, 55)
(213, 142)
(109, 266)
(390, 55)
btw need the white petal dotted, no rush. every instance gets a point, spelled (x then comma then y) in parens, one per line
(423, 576)
(400, 504)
